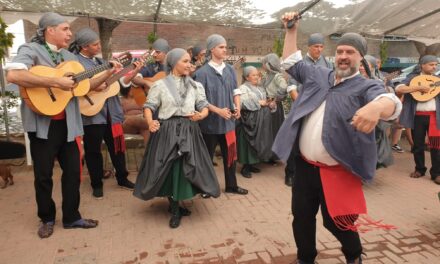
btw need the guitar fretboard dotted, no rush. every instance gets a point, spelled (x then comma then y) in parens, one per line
(90, 72)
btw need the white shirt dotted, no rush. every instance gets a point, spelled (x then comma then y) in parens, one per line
(310, 140)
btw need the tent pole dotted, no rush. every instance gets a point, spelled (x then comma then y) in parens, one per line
(412, 21)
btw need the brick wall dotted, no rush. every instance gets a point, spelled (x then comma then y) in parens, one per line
(247, 41)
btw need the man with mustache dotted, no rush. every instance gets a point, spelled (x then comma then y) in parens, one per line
(331, 134)
(52, 137)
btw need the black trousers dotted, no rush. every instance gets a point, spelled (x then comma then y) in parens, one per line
(93, 136)
(421, 127)
(289, 170)
(11, 150)
(211, 141)
(44, 152)
(307, 197)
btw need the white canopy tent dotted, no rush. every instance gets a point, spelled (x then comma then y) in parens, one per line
(417, 19)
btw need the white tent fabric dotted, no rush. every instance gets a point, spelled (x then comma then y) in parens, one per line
(371, 17)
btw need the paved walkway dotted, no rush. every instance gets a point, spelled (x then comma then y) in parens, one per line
(231, 229)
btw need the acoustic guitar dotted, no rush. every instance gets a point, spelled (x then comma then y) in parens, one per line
(431, 81)
(51, 101)
(91, 103)
(139, 93)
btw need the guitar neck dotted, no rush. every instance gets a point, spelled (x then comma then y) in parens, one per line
(118, 75)
(91, 72)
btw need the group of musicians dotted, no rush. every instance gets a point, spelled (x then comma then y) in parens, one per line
(327, 138)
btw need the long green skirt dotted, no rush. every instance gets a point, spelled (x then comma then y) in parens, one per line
(176, 185)
(246, 154)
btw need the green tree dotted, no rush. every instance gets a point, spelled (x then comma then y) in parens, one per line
(383, 52)
(6, 40)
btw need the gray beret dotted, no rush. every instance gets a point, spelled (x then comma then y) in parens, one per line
(50, 19)
(355, 40)
(161, 45)
(247, 70)
(214, 40)
(427, 59)
(173, 57)
(85, 37)
(316, 38)
(372, 60)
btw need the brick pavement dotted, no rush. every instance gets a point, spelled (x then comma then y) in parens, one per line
(231, 229)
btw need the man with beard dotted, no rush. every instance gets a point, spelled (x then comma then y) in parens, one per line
(331, 133)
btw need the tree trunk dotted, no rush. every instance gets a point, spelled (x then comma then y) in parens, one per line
(156, 17)
(106, 27)
(5, 108)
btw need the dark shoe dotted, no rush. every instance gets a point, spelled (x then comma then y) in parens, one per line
(205, 195)
(126, 184)
(82, 223)
(437, 180)
(236, 190)
(356, 261)
(397, 148)
(98, 193)
(288, 181)
(46, 229)
(254, 169)
(272, 162)
(416, 174)
(175, 221)
(246, 172)
(183, 211)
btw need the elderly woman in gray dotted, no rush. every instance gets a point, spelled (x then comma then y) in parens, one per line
(176, 162)
(254, 129)
(276, 88)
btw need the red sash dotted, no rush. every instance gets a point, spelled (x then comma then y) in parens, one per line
(433, 132)
(345, 199)
(118, 138)
(78, 142)
(231, 142)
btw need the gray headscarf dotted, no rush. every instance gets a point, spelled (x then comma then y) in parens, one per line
(213, 41)
(273, 66)
(47, 20)
(316, 38)
(161, 45)
(272, 63)
(372, 60)
(83, 38)
(173, 57)
(355, 40)
(427, 59)
(247, 70)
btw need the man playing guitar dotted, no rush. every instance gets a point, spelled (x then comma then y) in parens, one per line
(422, 118)
(52, 137)
(106, 125)
(160, 50)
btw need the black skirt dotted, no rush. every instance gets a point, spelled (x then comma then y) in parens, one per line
(177, 138)
(257, 128)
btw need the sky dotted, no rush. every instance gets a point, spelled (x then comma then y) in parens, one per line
(272, 6)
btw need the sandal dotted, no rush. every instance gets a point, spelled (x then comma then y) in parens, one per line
(82, 223)
(46, 229)
(416, 174)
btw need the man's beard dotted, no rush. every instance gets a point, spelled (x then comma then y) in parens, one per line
(348, 72)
